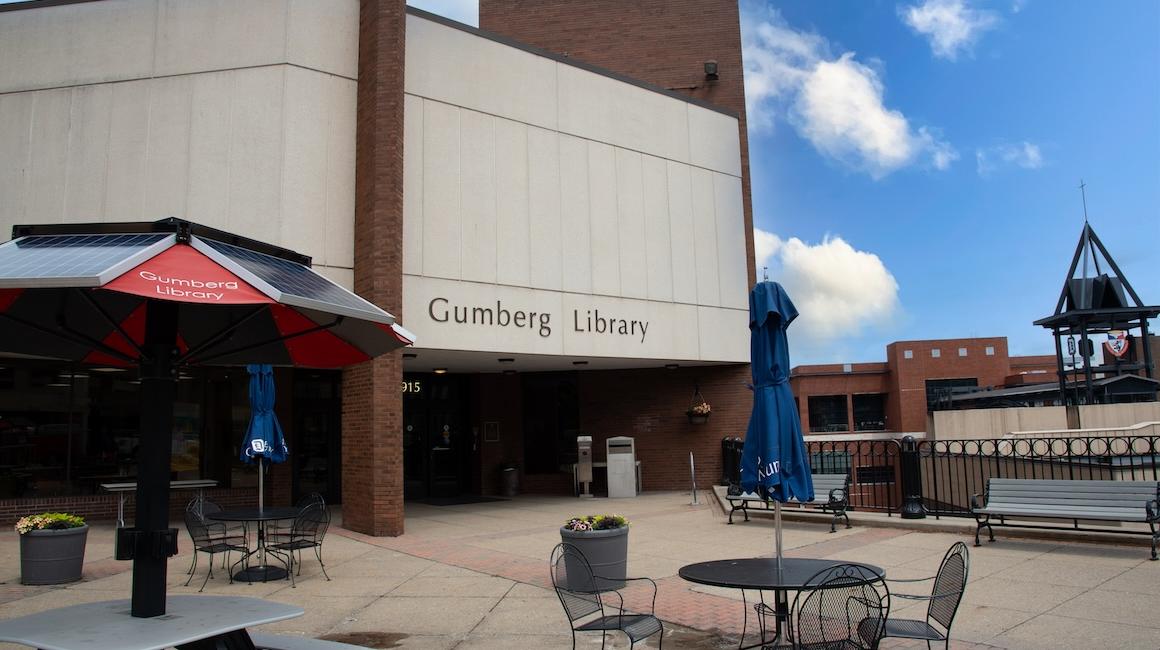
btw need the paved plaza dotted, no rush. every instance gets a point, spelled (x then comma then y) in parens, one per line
(475, 576)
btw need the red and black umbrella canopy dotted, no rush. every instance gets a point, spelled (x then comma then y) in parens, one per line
(82, 297)
(165, 294)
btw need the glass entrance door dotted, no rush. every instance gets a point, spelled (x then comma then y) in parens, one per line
(436, 439)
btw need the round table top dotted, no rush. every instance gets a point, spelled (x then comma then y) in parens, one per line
(762, 572)
(254, 514)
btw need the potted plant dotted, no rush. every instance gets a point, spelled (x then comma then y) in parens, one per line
(699, 413)
(52, 548)
(603, 539)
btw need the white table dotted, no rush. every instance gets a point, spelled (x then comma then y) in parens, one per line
(108, 626)
(123, 490)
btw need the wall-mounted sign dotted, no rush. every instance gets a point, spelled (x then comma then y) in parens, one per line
(491, 431)
(1117, 343)
(413, 386)
(587, 321)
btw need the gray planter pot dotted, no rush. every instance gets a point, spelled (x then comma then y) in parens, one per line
(607, 553)
(52, 557)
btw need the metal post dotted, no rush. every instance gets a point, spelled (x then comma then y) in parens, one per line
(1059, 368)
(1144, 336)
(693, 474)
(777, 531)
(158, 392)
(1087, 352)
(912, 507)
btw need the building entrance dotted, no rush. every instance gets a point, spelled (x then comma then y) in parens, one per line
(436, 438)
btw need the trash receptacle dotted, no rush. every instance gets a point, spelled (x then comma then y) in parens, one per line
(509, 480)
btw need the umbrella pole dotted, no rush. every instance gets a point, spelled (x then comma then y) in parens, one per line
(777, 531)
(158, 392)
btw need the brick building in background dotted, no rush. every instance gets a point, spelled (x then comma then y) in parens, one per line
(894, 396)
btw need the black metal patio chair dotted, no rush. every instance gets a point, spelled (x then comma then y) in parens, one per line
(947, 592)
(846, 610)
(275, 529)
(221, 529)
(208, 538)
(582, 600)
(307, 531)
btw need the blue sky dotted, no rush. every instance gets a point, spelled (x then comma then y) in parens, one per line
(915, 165)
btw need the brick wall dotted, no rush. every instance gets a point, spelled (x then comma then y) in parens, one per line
(103, 507)
(650, 406)
(372, 408)
(662, 43)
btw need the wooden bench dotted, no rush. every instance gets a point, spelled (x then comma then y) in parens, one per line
(836, 487)
(1132, 501)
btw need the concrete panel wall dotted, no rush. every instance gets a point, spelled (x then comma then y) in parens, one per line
(239, 116)
(540, 177)
(996, 423)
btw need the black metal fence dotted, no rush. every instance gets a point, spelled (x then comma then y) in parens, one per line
(950, 471)
(873, 465)
(953, 470)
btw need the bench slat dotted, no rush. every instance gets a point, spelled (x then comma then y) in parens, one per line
(1106, 515)
(1074, 500)
(1064, 484)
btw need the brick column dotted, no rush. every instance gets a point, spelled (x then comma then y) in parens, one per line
(372, 405)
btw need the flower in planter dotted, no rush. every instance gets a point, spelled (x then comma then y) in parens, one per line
(595, 522)
(700, 409)
(48, 520)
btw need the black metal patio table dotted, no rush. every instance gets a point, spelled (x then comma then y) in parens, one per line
(261, 572)
(761, 574)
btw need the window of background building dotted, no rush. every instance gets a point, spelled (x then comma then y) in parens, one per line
(989, 350)
(962, 352)
(828, 413)
(870, 412)
(908, 354)
(935, 353)
(939, 391)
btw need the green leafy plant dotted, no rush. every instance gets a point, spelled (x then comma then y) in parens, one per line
(595, 522)
(48, 521)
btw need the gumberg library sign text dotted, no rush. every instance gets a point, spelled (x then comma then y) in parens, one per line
(591, 321)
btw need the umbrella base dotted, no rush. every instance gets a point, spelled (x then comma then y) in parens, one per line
(261, 574)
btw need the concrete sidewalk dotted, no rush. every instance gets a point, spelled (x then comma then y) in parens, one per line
(475, 576)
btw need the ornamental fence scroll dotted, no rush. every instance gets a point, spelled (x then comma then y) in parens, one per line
(951, 471)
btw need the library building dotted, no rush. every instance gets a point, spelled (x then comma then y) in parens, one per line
(555, 204)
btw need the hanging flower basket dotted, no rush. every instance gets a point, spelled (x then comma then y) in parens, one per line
(699, 409)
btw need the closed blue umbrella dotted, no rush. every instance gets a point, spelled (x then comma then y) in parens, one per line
(264, 440)
(774, 463)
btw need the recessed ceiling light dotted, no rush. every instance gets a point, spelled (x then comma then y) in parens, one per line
(509, 372)
(57, 384)
(439, 371)
(672, 366)
(505, 360)
(409, 355)
(579, 363)
(107, 369)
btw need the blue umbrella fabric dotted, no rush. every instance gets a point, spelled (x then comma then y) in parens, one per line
(264, 438)
(774, 463)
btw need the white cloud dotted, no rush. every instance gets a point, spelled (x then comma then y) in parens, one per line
(951, 26)
(837, 289)
(1024, 155)
(835, 102)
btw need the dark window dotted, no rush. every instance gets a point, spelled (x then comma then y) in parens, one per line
(830, 462)
(875, 474)
(828, 413)
(939, 391)
(870, 412)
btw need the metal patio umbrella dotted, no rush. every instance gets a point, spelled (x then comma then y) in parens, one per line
(164, 295)
(264, 440)
(774, 463)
